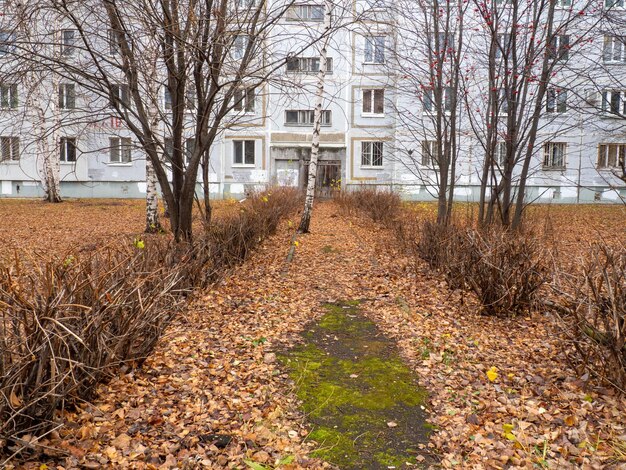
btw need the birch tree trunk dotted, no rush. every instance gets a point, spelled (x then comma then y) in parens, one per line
(315, 141)
(152, 201)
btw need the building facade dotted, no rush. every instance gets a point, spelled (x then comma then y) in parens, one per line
(366, 139)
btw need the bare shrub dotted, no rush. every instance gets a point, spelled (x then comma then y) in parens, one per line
(503, 268)
(68, 324)
(593, 312)
(382, 206)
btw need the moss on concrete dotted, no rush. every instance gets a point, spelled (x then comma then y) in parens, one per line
(362, 400)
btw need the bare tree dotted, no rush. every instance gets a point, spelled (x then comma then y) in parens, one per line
(428, 61)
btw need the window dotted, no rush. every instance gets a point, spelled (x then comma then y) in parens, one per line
(305, 117)
(559, 47)
(614, 3)
(308, 65)
(244, 4)
(7, 42)
(68, 42)
(376, 4)
(68, 149)
(503, 45)
(8, 96)
(10, 149)
(372, 154)
(119, 96)
(614, 49)
(244, 100)
(190, 147)
(503, 102)
(611, 155)
(375, 49)
(440, 42)
(115, 41)
(120, 150)
(306, 12)
(556, 100)
(243, 152)
(67, 96)
(374, 101)
(554, 156)
(614, 102)
(500, 156)
(430, 101)
(168, 148)
(430, 153)
(190, 98)
(240, 44)
(563, 3)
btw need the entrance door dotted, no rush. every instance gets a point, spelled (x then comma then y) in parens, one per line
(328, 178)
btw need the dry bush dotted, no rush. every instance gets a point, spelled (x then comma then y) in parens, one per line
(503, 268)
(593, 312)
(382, 206)
(68, 324)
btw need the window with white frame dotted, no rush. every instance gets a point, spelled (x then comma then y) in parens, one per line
(559, 47)
(306, 117)
(614, 3)
(614, 102)
(68, 42)
(120, 96)
(306, 12)
(67, 151)
(556, 100)
(614, 50)
(190, 148)
(500, 156)
(430, 100)
(503, 102)
(242, 5)
(167, 99)
(376, 4)
(611, 155)
(244, 100)
(440, 42)
(244, 152)
(240, 44)
(308, 65)
(373, 101)
(10, 148)
(375, 49)
(554, 155)
(372, 153)
(115, 39)
(563, 3)
(120, 150)
(67, 96)
(430, 153)
(8, 96)
(503, 45)
(7, 42)
(190, 98)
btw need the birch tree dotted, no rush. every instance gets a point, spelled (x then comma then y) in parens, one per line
(319, 103)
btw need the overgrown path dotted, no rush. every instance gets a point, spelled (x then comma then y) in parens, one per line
(214, 394)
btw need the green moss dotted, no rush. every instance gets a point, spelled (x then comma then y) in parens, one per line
(352, 383)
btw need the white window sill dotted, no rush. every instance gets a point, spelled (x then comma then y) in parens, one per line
(373, 63)
(8, 109)
(557, 114)
(246, 113)
(553, 168)
(614, 62)
(68, 163)
(372, 115)
(10, 162)
(608, 169)
(119, 164)
(244, 165)
(304, 125)
(371, 167)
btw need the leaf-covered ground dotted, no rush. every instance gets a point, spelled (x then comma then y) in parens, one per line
(214, 396)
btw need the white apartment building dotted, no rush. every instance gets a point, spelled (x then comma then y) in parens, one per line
(364, 138)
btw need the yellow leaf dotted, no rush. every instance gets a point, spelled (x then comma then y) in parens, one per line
(492, 374)
(507, 428)
(264, 198)
(297, 243)
(510, 437)
(43, 466)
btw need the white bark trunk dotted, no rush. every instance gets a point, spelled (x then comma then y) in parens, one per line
(315, 141)
(152, 200)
